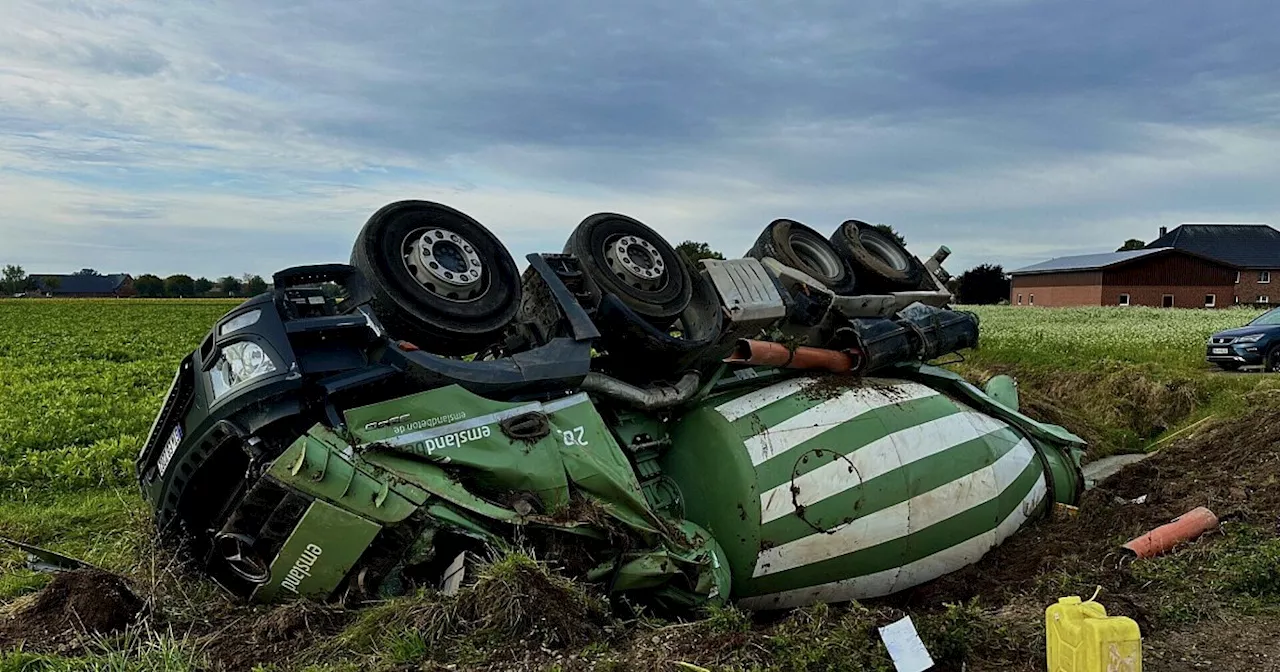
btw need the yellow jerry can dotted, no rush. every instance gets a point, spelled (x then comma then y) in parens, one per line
(1082, 638)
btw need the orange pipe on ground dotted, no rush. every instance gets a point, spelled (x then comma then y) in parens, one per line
(1186, 527)
(768, 353)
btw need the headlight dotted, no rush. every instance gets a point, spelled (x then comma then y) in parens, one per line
(239, 363)
(1250, 338)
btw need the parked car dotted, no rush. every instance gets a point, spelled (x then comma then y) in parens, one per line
(1256, 343)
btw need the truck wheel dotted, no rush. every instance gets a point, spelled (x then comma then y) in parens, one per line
(804, 249)
(881, 263)
(623, 257)
(437, 277)
(1273, 360)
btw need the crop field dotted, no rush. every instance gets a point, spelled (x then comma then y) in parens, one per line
(80, 382)
(1080, 337)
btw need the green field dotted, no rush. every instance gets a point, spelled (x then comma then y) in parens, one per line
(80, 382)
(1078, 338)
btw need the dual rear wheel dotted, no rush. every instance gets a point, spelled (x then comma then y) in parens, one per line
(441, 279)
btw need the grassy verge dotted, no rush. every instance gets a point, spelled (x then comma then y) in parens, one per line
(1122, 378)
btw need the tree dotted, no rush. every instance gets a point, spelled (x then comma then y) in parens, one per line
(86, 271)
(254, 285)
(695, 251)
(201, 286)
(178, 285)
(888, 231)
(149, 286)
(230, 285)
(984, 284)
(15, 279)
(1132, 244)
(50, 283)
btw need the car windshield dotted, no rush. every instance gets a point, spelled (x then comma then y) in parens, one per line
(1270, 317)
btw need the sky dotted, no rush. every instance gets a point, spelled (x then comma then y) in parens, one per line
(217, 137)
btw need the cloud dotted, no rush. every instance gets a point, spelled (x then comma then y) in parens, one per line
(238, 136)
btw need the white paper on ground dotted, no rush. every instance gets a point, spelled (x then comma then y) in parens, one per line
(905, 648)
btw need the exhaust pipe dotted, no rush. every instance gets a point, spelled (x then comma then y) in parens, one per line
(767, 353)
(644, 398)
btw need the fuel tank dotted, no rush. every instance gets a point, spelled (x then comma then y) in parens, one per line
(824, 493)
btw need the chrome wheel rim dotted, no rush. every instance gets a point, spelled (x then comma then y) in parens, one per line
(636, 262)
(444, 263)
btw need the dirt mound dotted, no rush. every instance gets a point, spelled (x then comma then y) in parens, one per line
(85, 600)
(1232, 467)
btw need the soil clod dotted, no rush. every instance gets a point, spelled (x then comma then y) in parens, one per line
(80, 601)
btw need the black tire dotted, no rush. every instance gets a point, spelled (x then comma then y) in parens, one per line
(412, 312)
(1272, 364)
(881, 262)
(804, 249)
(660, 304)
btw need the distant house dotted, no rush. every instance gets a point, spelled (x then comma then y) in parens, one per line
(1168, 277)
(1253, 250)
(85, 286)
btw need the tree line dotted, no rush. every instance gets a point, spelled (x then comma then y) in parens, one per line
(14, 280)
(984, 284)
(181, 285)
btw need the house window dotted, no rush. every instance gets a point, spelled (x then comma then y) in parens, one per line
(1124, 299)
(1210, 300)
(1031, 299)
(1237, 277)
(1263, 299)
(1019, 299)
(1237, 298)
(1264, 277)
(1167, 301)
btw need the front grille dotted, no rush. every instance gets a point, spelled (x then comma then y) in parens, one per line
(1223, 340)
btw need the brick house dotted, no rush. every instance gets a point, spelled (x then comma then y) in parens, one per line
(1166, 277)
(85, 286)
(1253, 250)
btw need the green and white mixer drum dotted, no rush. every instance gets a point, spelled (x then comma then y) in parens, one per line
(820, 493)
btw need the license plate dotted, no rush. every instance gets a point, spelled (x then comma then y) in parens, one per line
(170, 447)
(1220, 351)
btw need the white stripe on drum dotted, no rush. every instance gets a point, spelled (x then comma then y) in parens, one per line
(828, 415)
(892, 580)
(877, 458)
(901, 519)
(753, 401)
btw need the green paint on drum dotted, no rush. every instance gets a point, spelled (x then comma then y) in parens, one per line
(851, 493)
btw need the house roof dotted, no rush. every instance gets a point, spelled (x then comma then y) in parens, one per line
(1240, 245)
(1087, 262)
(83, 284)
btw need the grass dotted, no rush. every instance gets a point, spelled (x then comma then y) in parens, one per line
(1171, 341)
(81, 380)
(135, 650)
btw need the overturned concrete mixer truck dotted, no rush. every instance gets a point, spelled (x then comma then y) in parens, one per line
(764, 430)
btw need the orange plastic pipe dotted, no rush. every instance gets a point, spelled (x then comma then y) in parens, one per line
(768, 353)
(1186, 527)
